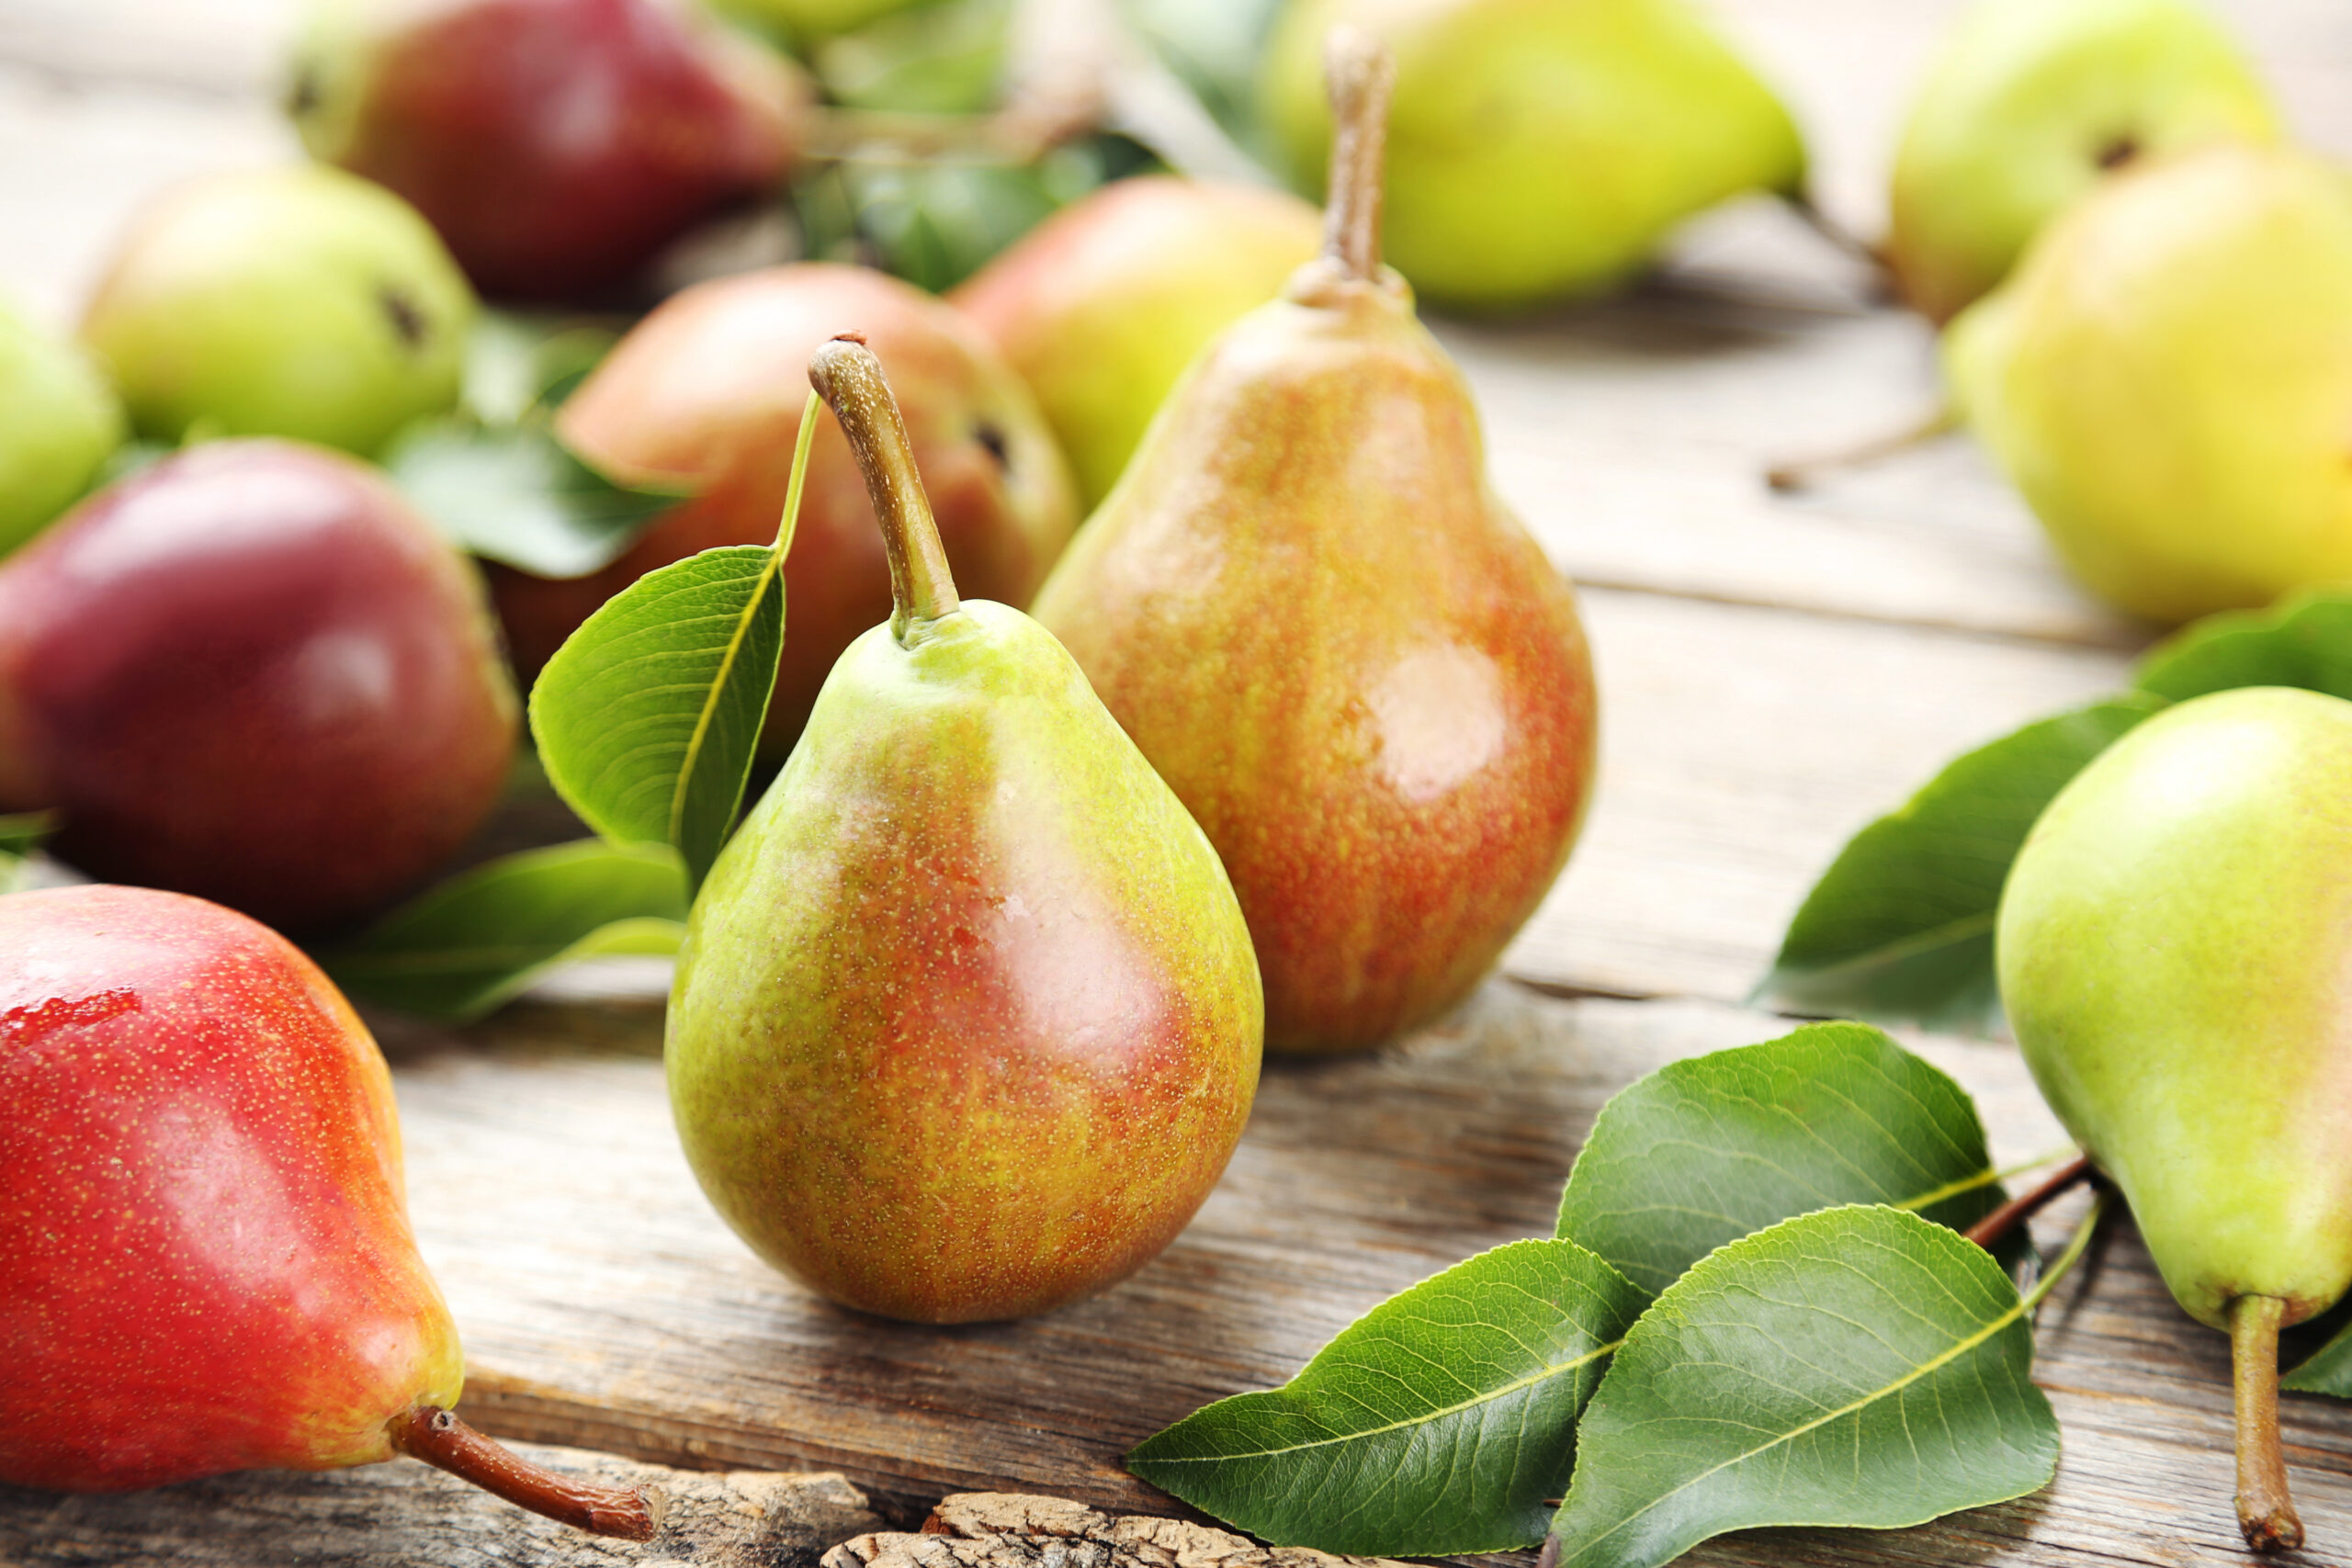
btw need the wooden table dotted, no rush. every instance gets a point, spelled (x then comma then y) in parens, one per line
(1775, 672)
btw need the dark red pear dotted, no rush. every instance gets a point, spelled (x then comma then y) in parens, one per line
(706, 395)
(252, 674)
(556, 144)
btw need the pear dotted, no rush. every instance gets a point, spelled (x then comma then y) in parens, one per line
(58, 421)
(805, 22)
(2168, 378)
(1333, 641)
(209, 1266)
(1538, 150)
(297, 301)
(966, 1024)
(2175, 948)
(1100, 306)
(2030, 104)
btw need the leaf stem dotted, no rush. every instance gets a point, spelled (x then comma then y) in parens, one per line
(1804, 473)
(2265, 1510)
(850, 380)
(1989, 1230)
(2076, 1246)
(440, 1439)
(1358, 74)
(789, 523)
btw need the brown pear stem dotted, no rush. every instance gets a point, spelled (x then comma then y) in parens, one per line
(2266, 1512)
(440, 1439)
(1987, 1232)
(1358, 74)
(1803, 473)
(850, 380)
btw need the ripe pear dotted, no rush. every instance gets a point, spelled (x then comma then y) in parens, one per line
(2168, 378)
(2175, 948)
(302, 301)
(58, 421)
(251, 671)
(1335, 642)
(966, 1024)
(556, 144)
(2030, 105)
(1538, 150)
(209, 1266)
(698, 398)
(1100, 306)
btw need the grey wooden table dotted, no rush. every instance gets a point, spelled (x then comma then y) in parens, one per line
(1775, 672)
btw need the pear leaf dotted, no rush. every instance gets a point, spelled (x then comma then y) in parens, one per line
(457, 951)
(648, 718)
(520, 365)
(513, 493)
(1441, 1422)
(1855, 1366)
(2327, 1369)
(1900, 928)
(21, 834)
(1704, 1151)
(2305, 641)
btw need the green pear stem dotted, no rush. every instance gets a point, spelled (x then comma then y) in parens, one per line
(440, 1439)
(850, 380)
(1804, 473)
(2266, 1511)
(1987, 1232)
(1358, 74)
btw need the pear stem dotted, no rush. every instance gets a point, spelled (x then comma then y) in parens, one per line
(440, 1439)
(1987, 1232)
(1358, 74)
(847, 376)
(2266, 1511)
(1804, 473)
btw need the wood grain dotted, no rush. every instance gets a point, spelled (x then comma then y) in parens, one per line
(604, 1305)
(1003, 1529)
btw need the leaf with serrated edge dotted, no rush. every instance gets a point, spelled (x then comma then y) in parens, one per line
(1704, 1151)
(648, 715)
(1441, 1421)
(1858, 1366)
(1900, 926)
(2306, 641)
(513, 493)
(457, 951)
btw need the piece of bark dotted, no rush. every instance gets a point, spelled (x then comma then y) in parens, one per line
(1010, 1529)
(404, 1514)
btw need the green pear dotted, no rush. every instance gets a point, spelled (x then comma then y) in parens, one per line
(1351, 661)
(1538, 150)
(2168, 378)
(299, 301)
(1101, 306)
(2175, 948)
(804, 22)
(966, 1022)
(58, 421)
(2030, 104)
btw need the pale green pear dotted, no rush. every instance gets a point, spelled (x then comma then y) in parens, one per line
(2031, 103)
(2175, 949)
(58, 421)
(1538, 150)
(2168, 378)
(299, 301)
(806, 21)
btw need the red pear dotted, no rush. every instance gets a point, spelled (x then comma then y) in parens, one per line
(556, 144)
(251, 673)
(209, 1266)
(706, 395)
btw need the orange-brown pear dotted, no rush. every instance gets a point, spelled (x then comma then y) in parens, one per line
(1331, 636)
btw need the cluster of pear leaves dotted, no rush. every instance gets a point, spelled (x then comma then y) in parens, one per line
(1756, 1310)
(1900, 926)
(647, 722)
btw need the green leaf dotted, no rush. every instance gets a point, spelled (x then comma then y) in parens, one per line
(21, 834)
(648, 715)
(1858, 1366)
(457, 951)
(1705, 1151)
(520, 365)
(2305, 641)
(1900, 926)
(2327, 1369)
(513, 493)
(943, 59)
(1439, 1422)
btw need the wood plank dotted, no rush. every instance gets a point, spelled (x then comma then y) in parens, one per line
(404, 1513)
(603, 1303)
